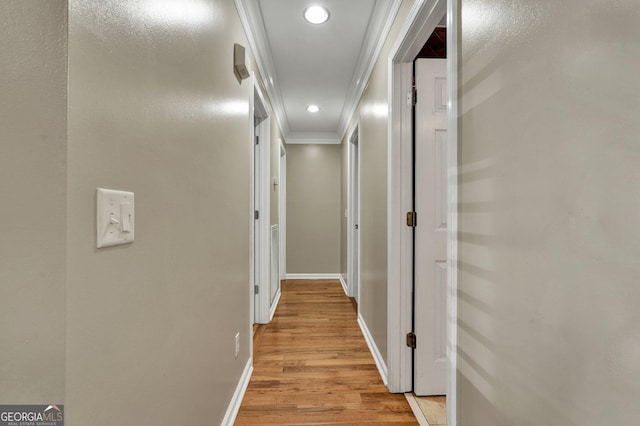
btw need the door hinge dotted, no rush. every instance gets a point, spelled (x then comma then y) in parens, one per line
(256, 289)
(257, 140)
(256, 215)
(412, 219)
(412, 97)
(411, 340)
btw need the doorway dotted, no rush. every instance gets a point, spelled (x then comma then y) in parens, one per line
(419, 26)
(261, 228)
(353, 216)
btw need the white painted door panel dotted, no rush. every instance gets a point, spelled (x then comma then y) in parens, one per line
(430, 361)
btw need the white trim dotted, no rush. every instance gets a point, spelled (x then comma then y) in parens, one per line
(252, 253)
(453, 12)
(352, 265)
(411, 399)
(313, 138)
(249, 12)
(384, 14)
(374, 41)
(262, 303)
(399, 249)
(236, 400)
(275, 229)
(313, 141)
(274, 305)
(375, 353)
(282, 209)
(344, 285)
(314, 276)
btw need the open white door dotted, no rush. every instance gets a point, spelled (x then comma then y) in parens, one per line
(430, 356)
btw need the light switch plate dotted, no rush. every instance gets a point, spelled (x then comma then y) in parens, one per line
(115, 217)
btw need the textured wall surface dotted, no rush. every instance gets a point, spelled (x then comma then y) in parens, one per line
(33, 113)
(313, 209)
(549, 238)
(373, 113)
(154, 108)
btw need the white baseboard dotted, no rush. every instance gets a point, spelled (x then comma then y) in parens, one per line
(344, 284)
(238, 395)
(274, 305)
(377, 357)
(313, 276)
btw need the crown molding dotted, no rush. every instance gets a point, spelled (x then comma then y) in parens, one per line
(314, 138)
(383, 15)
(253, 24)
(382, 20)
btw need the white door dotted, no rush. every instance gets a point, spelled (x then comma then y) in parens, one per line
(430, 359)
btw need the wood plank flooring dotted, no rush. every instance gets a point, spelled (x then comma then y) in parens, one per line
(434, 409)
(312, 365)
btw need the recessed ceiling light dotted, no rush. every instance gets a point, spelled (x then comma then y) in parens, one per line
(316, 14)
(313, 108)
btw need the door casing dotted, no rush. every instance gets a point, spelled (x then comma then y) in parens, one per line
(282, 209)
(260, 264)
(353, 214)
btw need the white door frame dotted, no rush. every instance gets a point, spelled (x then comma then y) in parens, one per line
(422, 20)
(258, 108)
(353, 261)
(282, 209)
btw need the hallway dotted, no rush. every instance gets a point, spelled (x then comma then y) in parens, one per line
(312, 365)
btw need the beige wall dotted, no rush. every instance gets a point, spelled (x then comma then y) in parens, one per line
(313, 209)
(153, 108)
(33, 208)
(373, 192)
(549, 238)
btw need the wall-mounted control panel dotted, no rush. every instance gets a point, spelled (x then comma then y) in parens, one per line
(115, 217)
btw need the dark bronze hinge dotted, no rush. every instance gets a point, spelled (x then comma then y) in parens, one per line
(411, 340)
(412, 219)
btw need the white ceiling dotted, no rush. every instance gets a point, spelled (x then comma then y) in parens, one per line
(326, 64)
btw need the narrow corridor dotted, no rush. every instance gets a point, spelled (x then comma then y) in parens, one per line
(312, 365)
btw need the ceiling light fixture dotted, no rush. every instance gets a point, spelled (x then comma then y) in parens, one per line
(316, 15)
(313, 108)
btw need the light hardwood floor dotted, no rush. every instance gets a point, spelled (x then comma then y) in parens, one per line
(433, 409)
(312, 365)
